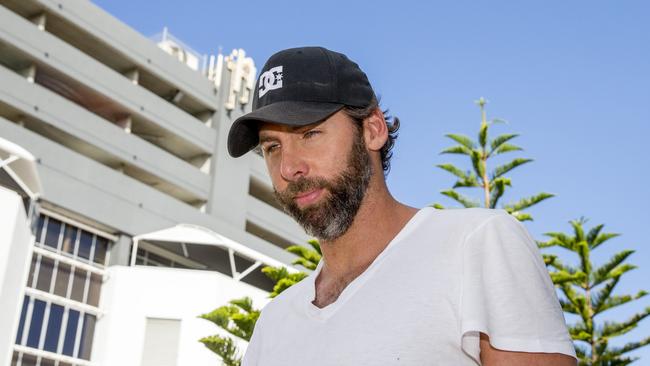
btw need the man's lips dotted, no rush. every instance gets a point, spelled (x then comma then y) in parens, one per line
(306, 198)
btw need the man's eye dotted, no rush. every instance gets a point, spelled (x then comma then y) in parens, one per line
(310, 133)
(270, 148)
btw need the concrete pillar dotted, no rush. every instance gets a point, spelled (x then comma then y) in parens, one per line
(121, 251)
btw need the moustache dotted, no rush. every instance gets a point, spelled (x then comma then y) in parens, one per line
(302, 185)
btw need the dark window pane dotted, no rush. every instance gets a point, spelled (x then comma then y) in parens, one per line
(62, 278)
(30, 279)
(39, 229)
(21, 324)
(85, 243)
(87, 336)
(45, 274)
(78, 284)
(52, 233)
(94, 289)
(140, 259)
(53, 328)
(29, 360)
(101, 246)
(70, 332)
(34, 335)
(47, 362)
(14, 359)
(69, 239)
(156, 260)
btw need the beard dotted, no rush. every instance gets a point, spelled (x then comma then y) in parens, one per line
(333, 216)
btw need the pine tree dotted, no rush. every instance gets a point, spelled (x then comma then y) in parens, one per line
(494, 183)
(588, 292)
(238, 318)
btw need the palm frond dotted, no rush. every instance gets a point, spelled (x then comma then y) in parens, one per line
(463, 140)
(463, 200)
(606, 271)
(500, 140)
(503, 169)
(504, 148)
(458, 149)
(527, 202)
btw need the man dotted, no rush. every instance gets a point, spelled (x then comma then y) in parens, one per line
(396, 285)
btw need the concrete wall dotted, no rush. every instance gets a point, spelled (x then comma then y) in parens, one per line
(15, 255)
(130, 295)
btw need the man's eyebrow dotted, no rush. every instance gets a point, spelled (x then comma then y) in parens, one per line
(267, 138)
(293, 129)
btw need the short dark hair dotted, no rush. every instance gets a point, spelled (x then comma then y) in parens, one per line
(359, 114)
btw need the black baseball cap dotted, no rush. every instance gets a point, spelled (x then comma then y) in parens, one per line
(297, 87)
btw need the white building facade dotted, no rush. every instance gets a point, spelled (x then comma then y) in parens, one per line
(123, 216)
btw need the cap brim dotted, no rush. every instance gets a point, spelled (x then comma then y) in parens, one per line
(243, 135)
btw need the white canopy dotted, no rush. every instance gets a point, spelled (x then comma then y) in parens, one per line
(194, 234)
(21, 167)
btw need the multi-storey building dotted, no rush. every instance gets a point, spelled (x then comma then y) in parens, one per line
(122, 217)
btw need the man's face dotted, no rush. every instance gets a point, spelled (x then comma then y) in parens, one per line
(320, 173)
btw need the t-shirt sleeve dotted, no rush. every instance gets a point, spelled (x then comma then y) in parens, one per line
(507, 293)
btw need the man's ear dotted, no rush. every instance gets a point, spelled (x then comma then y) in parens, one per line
(375, 131)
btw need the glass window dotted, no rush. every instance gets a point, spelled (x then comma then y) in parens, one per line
(156, 260)
(87, 333)
(85, 244)
(45, 274)
(21, 324)
(14, 359)
(52, 233)
(28, 360)
(62, 279)
(69, 239)
(53, 328)
(32, 269)
(39, 229)
(70, 332)
(47, 362)
(94, 289)
(78, 284)
(34, 335)
(101, 246)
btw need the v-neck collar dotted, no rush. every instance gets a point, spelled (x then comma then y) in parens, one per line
(327, 311)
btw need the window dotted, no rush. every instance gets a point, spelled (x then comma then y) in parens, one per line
(51, 326)
(67, 239)
(66, 272)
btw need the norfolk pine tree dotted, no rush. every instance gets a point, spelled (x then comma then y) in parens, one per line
(588, 292)
(492, 183)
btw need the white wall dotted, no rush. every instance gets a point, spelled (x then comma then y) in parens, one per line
(15, 255)
(131, 294)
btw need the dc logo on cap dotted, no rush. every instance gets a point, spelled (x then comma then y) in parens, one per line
(270, 80)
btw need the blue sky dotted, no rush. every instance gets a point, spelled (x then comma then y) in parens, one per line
(573, 78)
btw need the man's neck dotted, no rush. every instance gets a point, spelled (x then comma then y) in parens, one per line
(379, 220)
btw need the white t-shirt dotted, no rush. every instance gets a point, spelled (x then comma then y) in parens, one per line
(446, 276)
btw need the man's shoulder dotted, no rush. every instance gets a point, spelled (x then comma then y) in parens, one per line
(468, 218)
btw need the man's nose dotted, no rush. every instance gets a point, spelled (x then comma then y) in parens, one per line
(293, 165)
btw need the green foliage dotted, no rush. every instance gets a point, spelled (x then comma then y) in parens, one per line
(493, 183)
(239, 317)
(224, 347)
(587, 292)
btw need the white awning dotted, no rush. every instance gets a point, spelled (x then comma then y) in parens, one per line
(194, 234)
(21, 167)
